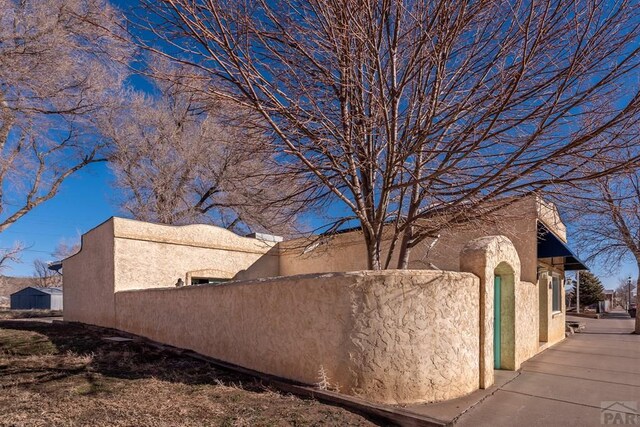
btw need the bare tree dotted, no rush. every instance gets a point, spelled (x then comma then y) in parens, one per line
(65, 249)
(624, 289)
(45, 277)
(417, 115)
(11, 255)
(608, 220)
(179, 160)
(61, 65)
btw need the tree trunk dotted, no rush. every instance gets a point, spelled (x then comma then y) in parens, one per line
(373, 252)
(405, 249)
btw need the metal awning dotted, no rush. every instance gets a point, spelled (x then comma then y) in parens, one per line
(55, 266)
(550, 246)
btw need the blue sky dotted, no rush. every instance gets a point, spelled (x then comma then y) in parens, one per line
(84, 201)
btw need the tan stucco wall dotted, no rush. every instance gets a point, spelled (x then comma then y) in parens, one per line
(487, 257)
(125, 254)
(153, 255)
(342, 252)
(416, 336)
(552, 324)
(392, 337)
(548, 213)
(526, 322)
(88, 279)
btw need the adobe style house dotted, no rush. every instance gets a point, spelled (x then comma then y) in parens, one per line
(477, 300)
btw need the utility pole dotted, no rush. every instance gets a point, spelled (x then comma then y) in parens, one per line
(578, 291)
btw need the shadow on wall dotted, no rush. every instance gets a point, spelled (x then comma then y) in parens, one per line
(265, 266)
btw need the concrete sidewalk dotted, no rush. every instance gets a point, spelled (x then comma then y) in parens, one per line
(567, 384)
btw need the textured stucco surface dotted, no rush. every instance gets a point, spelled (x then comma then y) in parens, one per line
(122, 254)
(496, 255)
(548, 213)
(526, 322)
(392, 337)
(195, 235)
(152, 255)
(416, 336)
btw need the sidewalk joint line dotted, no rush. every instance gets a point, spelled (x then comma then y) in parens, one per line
(524, 367)
(581, 378)
(455, 419)
(562, 401)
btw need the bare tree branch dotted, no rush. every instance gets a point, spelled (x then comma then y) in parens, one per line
(179, 160)
(62, 64)
(419, 115)
(11, 255)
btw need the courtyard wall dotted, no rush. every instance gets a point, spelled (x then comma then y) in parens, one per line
(389, 337)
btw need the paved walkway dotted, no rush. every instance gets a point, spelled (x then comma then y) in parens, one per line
(566, 384)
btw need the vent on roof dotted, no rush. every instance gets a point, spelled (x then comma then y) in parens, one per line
(265, 237)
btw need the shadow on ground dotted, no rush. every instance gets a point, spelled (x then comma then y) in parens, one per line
(609, 324)
(616, 315)
(126, 360)
(88, 380)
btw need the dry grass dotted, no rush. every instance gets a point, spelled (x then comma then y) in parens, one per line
(28, 314)
(64, 375)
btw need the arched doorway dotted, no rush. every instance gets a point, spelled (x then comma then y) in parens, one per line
(504, 317)
(488, 257)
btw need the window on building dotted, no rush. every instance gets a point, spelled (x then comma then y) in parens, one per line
(557, 293)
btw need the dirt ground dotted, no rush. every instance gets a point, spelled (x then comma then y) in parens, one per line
(55, 374)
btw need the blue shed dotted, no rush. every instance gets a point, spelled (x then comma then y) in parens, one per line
(37, 298)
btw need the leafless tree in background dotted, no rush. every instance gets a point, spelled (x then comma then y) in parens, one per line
(622, 291)
(11, 255)
(181, 160)
(608, 220)
(60, 67)
(46, 278)
(419, 115)
(66, 248)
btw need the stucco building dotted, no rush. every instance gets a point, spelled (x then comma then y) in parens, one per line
(479, 299)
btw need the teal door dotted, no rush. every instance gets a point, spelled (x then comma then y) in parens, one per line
(496, 322)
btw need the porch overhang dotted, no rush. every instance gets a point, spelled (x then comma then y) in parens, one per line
(550, 246)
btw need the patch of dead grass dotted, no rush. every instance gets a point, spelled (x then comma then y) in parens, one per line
(76, 378)
(7, 314)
